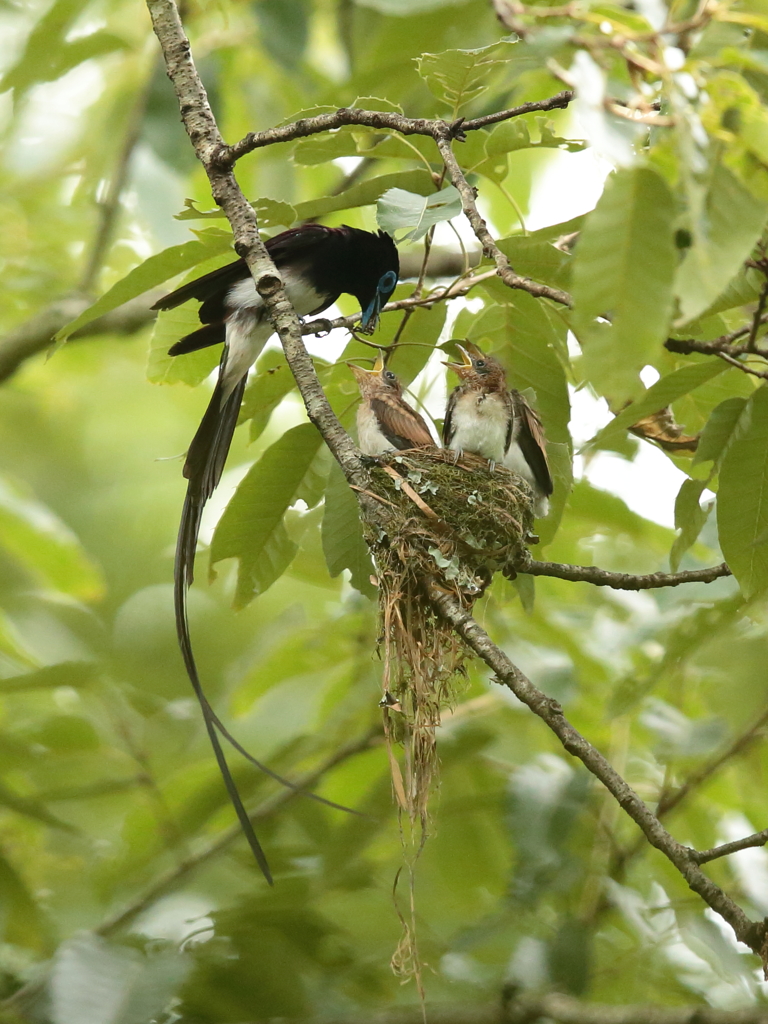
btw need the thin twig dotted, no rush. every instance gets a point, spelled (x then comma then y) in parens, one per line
(748, 842)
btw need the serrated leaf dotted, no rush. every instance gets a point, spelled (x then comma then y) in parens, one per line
(661, 394)
(723, 237)
(365, 193)
(690, 518)
(320, 149)
(251, 528)
(269, 212)
(742, 503)
(623, 269)
(343, 543)
(151, 273)
(398, 209)
(458, 76)
(718, 430)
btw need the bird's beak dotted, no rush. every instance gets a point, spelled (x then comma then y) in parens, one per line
(466, 360)
(361, 373)
(370, 317)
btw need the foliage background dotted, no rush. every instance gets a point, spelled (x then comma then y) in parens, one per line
(110, 798)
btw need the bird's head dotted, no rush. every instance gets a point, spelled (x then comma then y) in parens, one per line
(376, 276)
(478, 370)
(377, 380)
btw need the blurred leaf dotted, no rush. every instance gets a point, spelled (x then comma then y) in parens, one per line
(343, 544)
(22, 921)
(723, 237)
(266, 388)
(45, 546)
(664, 392)
(400, 209)
(251, 528)
(742, 503)
(719, 429)
(151, 273)
(690, 518)
(68, 673)
(96, 982)
(284, 28)
(622, 270)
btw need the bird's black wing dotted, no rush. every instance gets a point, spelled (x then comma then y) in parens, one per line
(533, 443)
(206, 287)
(448, 430)
(401, 425)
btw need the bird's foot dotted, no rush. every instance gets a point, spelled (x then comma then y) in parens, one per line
(491, 465)
(532, 538)
(369, 461)
(457, 453)
(321, 327)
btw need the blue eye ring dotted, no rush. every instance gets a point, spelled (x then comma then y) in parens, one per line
(387, 282)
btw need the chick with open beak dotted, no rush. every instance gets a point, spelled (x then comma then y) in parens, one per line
(487, 418)
(385, 421)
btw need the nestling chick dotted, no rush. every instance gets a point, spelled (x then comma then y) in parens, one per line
(487, 418)
(385, 421)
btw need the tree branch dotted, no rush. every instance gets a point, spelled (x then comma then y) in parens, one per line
(443, 136)
(752, 934)
(387, 120)
(620, 580)
(756, 839)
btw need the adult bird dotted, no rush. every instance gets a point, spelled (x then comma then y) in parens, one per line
(487, 418)
(385, 421)
(317, 264)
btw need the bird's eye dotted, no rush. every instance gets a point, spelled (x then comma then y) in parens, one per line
(387, 282)
(480, 363)
(389, 375)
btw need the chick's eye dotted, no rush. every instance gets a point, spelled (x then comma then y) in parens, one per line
(389, 375)
(480, 363)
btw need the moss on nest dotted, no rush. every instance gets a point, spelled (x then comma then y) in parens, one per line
(453, 524)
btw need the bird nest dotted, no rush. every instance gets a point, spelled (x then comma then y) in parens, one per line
(449, 525)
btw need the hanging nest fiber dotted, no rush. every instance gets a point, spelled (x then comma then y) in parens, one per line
(447, 524)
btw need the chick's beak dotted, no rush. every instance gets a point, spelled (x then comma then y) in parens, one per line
(465, 364)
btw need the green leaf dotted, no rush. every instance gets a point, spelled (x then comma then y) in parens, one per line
(151, 273)
(742, 504)
(320, 149)
(690, 518)
(47, 548)
(400, 209)
(251, 528)
(365, 193)
(22, 922)
(270, 384)
(723, 237)
(661, 394)
(511, 136)
(458, 76)
(270, 213)
(96, 982)
(76, 674)
(343, 544)
(622, 269)
(718, 430)
(538, 259)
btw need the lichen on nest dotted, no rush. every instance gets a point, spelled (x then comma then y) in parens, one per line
(447, 523)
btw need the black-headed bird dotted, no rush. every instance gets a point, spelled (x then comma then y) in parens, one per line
(317, 264)
(487, 418)
(385, 421)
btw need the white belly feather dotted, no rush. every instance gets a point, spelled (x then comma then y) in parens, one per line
(480, 425)
(370, 439)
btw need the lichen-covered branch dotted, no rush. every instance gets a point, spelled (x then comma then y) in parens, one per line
(620, 580)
